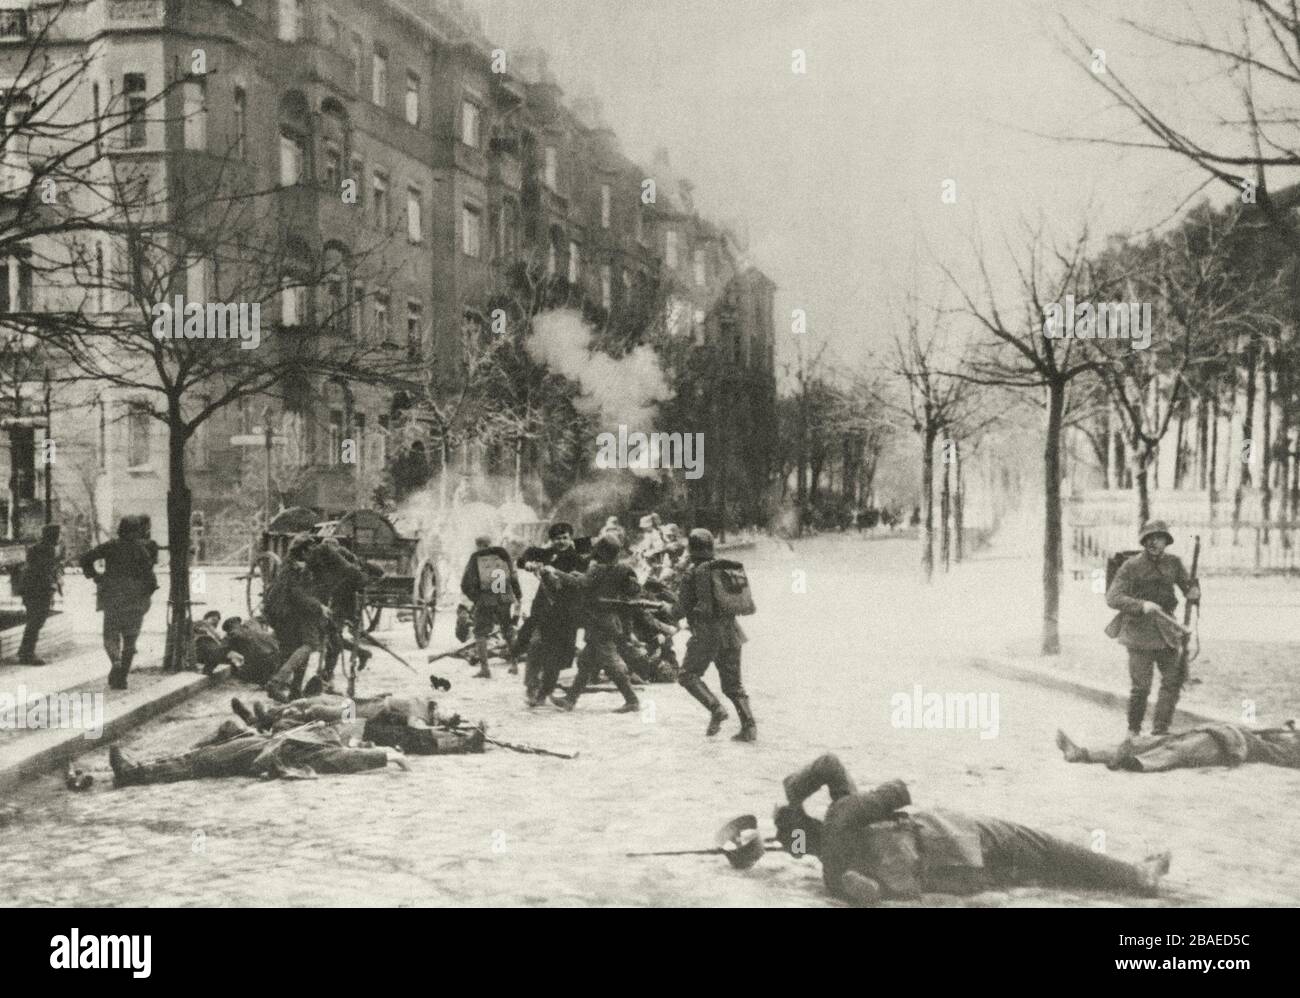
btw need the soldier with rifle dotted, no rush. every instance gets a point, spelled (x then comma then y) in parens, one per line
(1143, 591)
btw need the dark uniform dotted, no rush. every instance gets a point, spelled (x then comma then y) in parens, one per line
(42, 577)
(298, 619)
(338, 578)
(1215, 744)
(870, 849)
(239, 750)
(715, 640)
(256, 646)
(124, 589)
(603, 624)
(1146, 578)
(553, 620)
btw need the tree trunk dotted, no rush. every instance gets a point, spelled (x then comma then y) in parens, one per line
(1141, 477)
(1247, 459)
(1266, 474)
(1053, 556)
(927, 502)
(178, 652)
(959, 502)
(945, 507)
(1180, 454)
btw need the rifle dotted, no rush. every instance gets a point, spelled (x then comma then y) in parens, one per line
(635, 604)
(1185, 659)
(521, 747)
(468, 646)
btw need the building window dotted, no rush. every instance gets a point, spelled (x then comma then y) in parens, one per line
(359, 437)
(606, 199)
(379, 190)
(414, 216)
(552, 253)
(414, 328)
(412, 98)
(701, 269)
(471, 331)
(241, 123)
(333, 167)
(293, 302)
(575, 263)
(670, 249)
(383, 325)
(552, 167)
(379, 77)
(355, 48)
(15, 285)
(290, 20)
(381, 442)
(357, 320)
(511, 226)
(471, 231)
(137, 435)
(133, 84)
(470, 116)
(335, 442)
(293, 158)
(336, 294)
(606, 287)
(196, 115)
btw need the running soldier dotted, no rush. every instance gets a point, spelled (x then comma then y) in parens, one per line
(604, 580)
(1143, 593)
(42, 577)
(715, 639)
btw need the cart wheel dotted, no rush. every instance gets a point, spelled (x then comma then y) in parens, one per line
(425, 602)
(370, 617)
(260, 576)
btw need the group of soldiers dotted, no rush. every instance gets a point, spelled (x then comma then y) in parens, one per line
(627, 619)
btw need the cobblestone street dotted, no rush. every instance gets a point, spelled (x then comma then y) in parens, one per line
(503, 828)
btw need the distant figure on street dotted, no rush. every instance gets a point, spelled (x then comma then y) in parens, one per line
(42, 577)
(871, 849)
(1144, 585)
(490, 583)
(124, 589)
(1204, 745)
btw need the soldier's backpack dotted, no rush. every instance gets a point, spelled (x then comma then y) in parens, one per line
(493, 578)
(731, 594)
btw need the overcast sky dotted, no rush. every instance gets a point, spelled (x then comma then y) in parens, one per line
(838, 172)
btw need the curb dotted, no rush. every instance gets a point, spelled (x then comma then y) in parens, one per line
(1019, 670)
(45, 750)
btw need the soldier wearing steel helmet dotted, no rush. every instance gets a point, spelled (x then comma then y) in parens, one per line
(1143, 591)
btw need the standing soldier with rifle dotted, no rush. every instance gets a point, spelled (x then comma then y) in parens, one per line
(553, 615)
(1143, 593)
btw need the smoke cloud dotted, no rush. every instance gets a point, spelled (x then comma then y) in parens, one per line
(622, 390)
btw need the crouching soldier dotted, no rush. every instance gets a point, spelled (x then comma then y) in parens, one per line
(490, 583)
(240, 750)
(871, 849)
(1143, 593)
(298, 618)
(605, 579)
(251, 649)
(715, 640)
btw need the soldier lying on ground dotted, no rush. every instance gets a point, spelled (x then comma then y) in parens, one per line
(239, 750)
(414, 725)
(1204, 745)
(870, 849)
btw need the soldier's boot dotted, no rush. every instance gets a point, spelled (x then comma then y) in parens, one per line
(1166, 701)
(570, 698)
(1137, 709)
(624, 685)
(481, 646)
(717, 713)
(127, 773)
(748, 726)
